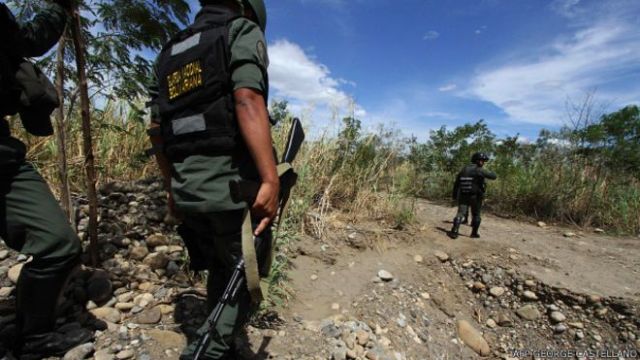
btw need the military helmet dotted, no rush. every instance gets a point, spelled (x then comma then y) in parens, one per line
(260, 10)
(479, 156)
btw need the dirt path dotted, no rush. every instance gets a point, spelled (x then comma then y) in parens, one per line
(333, 280)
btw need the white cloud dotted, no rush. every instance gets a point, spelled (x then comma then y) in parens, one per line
(535, 89)
(568, 8)
(448, 87)
(431, 35)
(307, 84)
(480, 30)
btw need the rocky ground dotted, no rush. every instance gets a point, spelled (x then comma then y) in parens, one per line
(365, 291)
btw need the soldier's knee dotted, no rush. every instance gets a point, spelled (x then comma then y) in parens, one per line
(62, 248)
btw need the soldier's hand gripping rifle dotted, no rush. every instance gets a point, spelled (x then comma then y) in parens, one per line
(247, 191)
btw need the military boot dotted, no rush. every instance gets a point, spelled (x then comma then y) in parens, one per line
(475, 225)
(38, 292)
(455, 229)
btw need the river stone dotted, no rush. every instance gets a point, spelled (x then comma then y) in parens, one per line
(157, 240)
(79, 352)
(138, 252)
(167, 339)
(103, 354)
(557, 317)
(559, 328)
(156, 260)
(4, 254)
(442, 256)
(125, 354)
(472, 338)
(14, 272)
(478, 285)
(418, 258)
(107, 314)
(496, 291)
(528, 312)
(530, 295)
(504, 320)
(384, 275)
(150, 316)
(125, 306)
(6, 291)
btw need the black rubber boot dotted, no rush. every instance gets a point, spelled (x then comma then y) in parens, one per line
(474, 229)
(455, 229)
(38, 293)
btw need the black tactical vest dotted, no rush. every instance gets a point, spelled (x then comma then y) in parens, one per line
(195, 97)
(471, 182)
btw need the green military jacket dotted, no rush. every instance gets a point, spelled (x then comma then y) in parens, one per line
(201, 183)
(34, 38)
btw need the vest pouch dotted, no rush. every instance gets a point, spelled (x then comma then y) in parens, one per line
(211, 131)
(38, 98)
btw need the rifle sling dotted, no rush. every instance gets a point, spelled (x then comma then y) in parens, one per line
(248, 245)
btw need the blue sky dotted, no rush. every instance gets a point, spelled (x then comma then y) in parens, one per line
(420, 64)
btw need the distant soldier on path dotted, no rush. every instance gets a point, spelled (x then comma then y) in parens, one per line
(468, 190)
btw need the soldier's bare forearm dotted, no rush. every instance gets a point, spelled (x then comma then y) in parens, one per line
(253, 121)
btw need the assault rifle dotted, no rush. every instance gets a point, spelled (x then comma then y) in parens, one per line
(247, 191)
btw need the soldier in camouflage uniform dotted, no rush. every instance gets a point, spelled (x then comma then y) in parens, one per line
(468, 190)
(31, 220)
(209, 126)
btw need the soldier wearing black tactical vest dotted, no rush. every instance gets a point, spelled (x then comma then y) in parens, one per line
(210, 126)
(31, 220)
(468, 190)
